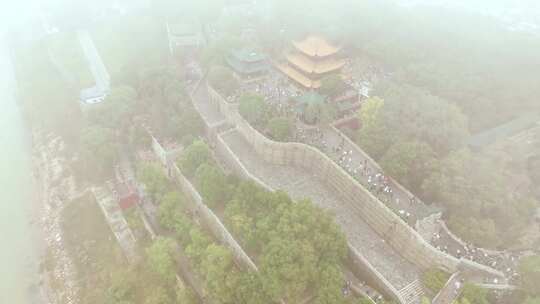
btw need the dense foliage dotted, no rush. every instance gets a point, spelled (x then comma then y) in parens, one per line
(435, 279)
(252, 108)
(280, 128)
(222, 79)
(193, 156)
(481, 205)
(332, 85)
(530, 274)
(298, 245)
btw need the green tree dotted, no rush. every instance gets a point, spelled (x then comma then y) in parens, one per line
(287, 268)
(116, 110)
(413, 113)
(160, 258)
(193, 156)
(250, 290)
(426, 300)
(212, 184)
(435, 279)
(474, 294)
(252, 107)
(332, 85)
(169, 208)
(369, 114)
(98, 151)
(482, 207)
(330, 283)
(158, 295)
(122, 287)
(188, 123)
(220, 273)
(197, 247)
(138, 137)
(364, 300)
(409, 162)
(280, 128)
(320, 113)
(373, 135)
(186, 295)
(154, 180)
(222, 79)
(532, 301)
(529, 269)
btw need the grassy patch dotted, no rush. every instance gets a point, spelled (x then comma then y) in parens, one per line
(435, 279)
(92, 246)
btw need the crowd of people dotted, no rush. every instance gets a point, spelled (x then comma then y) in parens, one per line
(381, 187)
(277, 92)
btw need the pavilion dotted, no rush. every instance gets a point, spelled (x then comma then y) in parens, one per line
(248, 64)
(310, 60)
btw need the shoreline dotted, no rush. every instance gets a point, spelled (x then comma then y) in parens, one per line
(54, 264)
(41, 212)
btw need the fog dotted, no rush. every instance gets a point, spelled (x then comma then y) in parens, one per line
(270, 151)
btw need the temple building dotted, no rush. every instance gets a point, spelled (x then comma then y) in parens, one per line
(248, 64)
(311, 59)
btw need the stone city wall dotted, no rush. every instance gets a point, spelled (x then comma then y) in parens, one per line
(232, 162)
(359, 265)
(196, 205)
(399, 235)
(356, 262)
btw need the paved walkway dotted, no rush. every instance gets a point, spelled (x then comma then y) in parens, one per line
(301, 184)
(349, 156)
(209, 112)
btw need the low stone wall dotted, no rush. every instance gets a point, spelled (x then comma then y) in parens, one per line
(196, 205)
(357, 263)
(399, 235)
(449, 292)
(362, 269)
(234, 163)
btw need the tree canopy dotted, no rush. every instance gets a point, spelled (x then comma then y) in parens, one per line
(480, 203)
(116, 110)
(222, 79)
(332, 85)
(213, 185)
(154, 180)
(530, 274)
(252, 107)
(160, 258)
(280, 128)
(98, 151)
(193, 156)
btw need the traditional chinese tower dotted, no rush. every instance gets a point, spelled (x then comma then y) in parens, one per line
(310, 60)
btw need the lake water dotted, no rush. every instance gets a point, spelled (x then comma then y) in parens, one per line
(18, 253)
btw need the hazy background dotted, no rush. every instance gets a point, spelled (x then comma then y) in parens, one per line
(17, 256)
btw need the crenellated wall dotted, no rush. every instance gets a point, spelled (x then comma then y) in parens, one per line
(398, 234)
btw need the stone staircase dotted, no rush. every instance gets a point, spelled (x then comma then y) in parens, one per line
(413, 292)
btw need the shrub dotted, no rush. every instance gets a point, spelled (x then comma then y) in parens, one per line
(435, 279)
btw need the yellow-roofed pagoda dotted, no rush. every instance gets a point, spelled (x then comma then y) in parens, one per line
(310, 60)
